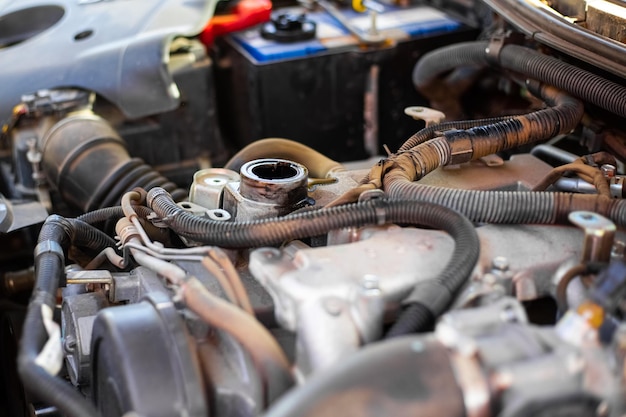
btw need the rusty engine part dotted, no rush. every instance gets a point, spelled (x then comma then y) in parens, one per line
(477, 269)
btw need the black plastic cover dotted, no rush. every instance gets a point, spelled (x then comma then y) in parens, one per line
(142, 361)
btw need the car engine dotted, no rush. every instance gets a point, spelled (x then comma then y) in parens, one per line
(297, 208)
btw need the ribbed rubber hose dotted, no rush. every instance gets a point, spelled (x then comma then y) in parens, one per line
(49, 270)
(431, 132)
(564, 115)
(107, 213)
(460, 146)
(507, 207)
(86, 236)
(87, 161)
(273, 231)
(580, 83)
(415, 318)
(516, 207)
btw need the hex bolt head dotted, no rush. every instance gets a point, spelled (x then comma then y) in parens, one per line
(333, 306)
(370, 282)
(500, 263)
(608, 170)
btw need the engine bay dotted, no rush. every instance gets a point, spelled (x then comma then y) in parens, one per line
(254, 208)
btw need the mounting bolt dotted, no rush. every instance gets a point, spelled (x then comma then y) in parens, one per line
(500, 263)
(370, 282)
(619, 250)
(333, 306)
(70, 343)
(608, 170)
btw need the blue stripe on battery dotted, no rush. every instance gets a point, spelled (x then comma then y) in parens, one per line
(414, 22)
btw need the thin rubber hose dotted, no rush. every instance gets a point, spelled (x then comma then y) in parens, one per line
(243, 327)
(116, 212)
(49, 270)
(548, 153)
(87, 236)
(415, 318)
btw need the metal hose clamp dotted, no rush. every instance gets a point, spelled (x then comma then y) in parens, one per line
(156, 192)
(49, 246)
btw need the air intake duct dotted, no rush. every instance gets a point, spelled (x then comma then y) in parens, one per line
(87, 161)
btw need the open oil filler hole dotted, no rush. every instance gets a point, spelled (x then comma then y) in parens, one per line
(275, 171)
(21, 25)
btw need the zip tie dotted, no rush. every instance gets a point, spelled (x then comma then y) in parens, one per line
(51, 356)
(492, 52)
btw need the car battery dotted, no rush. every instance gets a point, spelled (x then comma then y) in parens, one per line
(329, 92)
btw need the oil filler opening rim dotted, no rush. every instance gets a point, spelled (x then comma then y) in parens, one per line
(277, 171)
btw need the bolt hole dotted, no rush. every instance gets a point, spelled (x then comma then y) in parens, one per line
(83, 35)
(186, 205)
(275, 171)
(587, 217)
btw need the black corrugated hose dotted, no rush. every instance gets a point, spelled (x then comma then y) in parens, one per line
(415, 318)
(434, 295)
(515, 207)
(107, 213)
(431, 132)
(86, 236)
(580, 83)
(55, 237)
(511, 207)
(459, 146)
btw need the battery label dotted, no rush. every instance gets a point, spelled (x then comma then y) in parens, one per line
(331, 36)
(413, 21)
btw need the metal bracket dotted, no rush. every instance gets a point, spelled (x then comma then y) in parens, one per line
(599, 235)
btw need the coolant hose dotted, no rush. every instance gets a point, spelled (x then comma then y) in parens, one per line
(243, 327)
(405, 377)
(578, 82)
(55, 236)
(434, 295)
(319, 165)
